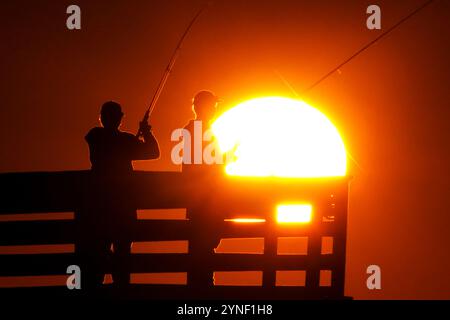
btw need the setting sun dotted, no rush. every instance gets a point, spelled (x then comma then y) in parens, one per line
(280, 137)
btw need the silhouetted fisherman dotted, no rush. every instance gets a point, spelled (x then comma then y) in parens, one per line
(204, 106)
(109, 215)
(199, 173)
(111, 150)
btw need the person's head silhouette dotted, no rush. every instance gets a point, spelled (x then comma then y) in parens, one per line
(204, 105)
(111, 115)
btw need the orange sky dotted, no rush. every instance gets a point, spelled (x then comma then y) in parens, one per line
(390, 103)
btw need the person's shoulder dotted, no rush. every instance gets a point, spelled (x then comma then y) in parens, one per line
(96, 130)
(93, 133)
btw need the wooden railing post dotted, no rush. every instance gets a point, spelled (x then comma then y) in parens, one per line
(340, 243)
(314, 250)
(270, 253)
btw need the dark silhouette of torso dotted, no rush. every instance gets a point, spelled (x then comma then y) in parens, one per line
(112, 151)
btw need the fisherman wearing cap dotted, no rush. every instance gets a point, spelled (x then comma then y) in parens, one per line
(204, 106)
(112, 150)
(109, 215)
(199, 172)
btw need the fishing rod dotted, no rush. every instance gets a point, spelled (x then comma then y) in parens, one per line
(367, 46)
(168, 70)
(351, 58)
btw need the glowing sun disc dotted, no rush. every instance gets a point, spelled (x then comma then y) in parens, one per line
(280, 137)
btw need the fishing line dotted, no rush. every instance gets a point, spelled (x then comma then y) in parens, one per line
(368, 46)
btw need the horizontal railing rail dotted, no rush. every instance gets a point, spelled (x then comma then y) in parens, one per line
(210, 200)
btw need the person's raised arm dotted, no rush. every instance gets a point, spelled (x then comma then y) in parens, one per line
(148, 148)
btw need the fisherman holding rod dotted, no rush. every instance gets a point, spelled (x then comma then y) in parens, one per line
(107, 219)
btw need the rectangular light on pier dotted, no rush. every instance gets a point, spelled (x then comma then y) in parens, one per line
(294, 213)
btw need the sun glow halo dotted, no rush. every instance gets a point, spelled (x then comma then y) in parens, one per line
(280, 137)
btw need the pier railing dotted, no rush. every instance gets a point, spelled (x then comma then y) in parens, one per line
(211, 203)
